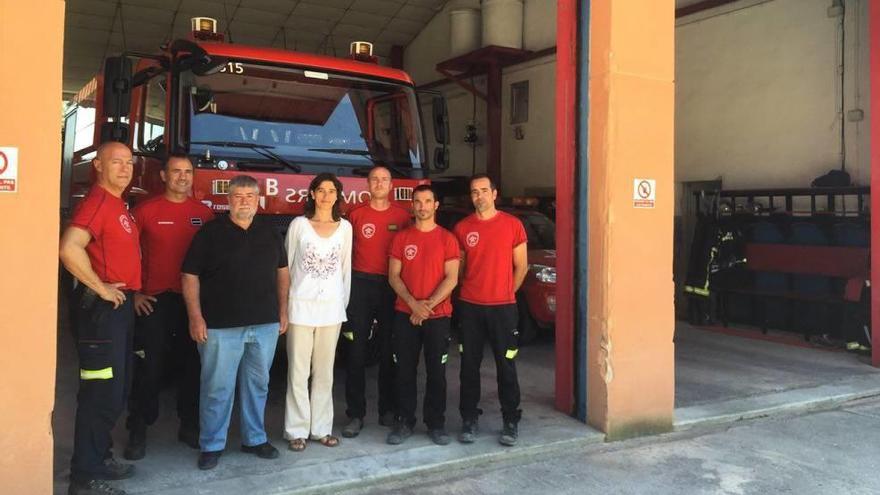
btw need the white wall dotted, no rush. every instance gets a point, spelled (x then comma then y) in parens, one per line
(529, 164)
(757, 93)
(526, 163)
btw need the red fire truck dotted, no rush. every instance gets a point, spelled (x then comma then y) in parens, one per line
(279, 116)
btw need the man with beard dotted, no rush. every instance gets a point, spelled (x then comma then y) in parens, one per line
(235, 284)
(423, 270)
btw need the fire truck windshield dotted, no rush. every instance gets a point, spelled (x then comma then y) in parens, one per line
(309, 120)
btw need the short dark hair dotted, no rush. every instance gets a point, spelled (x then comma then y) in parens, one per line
(424, 187)
(376, 167)
(482, 176)
(176, 155)
(313, 186)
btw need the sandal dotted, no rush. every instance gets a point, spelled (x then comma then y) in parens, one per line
(329, 441)
(297, 444)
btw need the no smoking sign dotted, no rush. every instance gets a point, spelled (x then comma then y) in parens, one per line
(644, 193)
(8, 169)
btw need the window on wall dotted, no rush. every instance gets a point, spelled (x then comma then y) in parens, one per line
(519, 102)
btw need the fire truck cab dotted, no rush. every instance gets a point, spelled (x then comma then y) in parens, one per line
(279, 116)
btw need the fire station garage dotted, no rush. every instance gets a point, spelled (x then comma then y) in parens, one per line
(694, 178)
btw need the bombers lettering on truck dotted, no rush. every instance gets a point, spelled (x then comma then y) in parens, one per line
(293, 195)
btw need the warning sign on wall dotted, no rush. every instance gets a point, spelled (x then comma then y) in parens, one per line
(644, 193)
(8, 169)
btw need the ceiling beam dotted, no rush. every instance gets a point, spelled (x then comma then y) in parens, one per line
(700, 6)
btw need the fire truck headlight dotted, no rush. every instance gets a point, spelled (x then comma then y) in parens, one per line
(222, 164)
(545, 274)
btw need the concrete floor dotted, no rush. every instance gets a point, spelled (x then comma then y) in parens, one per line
(719, 378)
(827, 452)
(170, 467)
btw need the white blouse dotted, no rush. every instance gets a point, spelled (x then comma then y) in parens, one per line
(320, 273)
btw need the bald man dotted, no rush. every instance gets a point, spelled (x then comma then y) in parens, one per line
(101, 249)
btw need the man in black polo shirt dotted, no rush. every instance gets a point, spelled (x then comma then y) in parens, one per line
(235, 283)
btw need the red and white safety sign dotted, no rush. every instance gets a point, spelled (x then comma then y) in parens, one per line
(644, 193)
(8, 169)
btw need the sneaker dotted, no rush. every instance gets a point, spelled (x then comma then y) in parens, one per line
(114, 470)
(92, 487)
(469, 431)
(263, 451)
(189, 436)
(508, 434)
(208, 460)
(439, 436)
(400, 432)
(387, 419)
(353, 428)
(137, 446)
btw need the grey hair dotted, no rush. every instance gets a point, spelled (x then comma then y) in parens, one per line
(243, 181)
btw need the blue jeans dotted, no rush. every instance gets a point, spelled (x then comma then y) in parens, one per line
(245, 353)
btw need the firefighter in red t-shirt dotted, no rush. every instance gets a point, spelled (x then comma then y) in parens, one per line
(100, 248)
(374, 226)
(167, 223)
(423, 270)
(495, 265)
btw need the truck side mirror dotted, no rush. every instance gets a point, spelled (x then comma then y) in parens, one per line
(441, 158)
(117, 98)
(117, 87)
(441, 132)
(441, 120)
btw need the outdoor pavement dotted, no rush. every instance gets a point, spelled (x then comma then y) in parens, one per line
(720, 379)
(830, 452)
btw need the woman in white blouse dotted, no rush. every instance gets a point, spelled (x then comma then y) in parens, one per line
(319, 255)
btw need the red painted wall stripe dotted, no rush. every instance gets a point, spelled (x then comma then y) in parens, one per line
(874, 30)
(566, 113)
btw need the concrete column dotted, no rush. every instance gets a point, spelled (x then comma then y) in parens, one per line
(874, 44)
(31, 48)
(630, 364)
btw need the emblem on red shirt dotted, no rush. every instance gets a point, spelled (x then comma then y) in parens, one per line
(472, 239)
(123, 220)
(410, 251)
(368, 230)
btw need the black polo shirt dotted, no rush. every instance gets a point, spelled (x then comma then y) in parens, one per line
(238, 272)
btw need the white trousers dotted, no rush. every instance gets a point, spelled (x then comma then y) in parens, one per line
(311, 352)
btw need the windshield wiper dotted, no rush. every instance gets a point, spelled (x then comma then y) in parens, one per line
(262, 149)
(343, 151)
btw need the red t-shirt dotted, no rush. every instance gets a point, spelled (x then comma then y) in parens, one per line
(373, 232)
(167, 228)
(114, 250)
(422, 258)
(488, 246)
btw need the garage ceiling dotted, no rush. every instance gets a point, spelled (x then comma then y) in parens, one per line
(95, 29)
(684, 3)
(98, 28)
